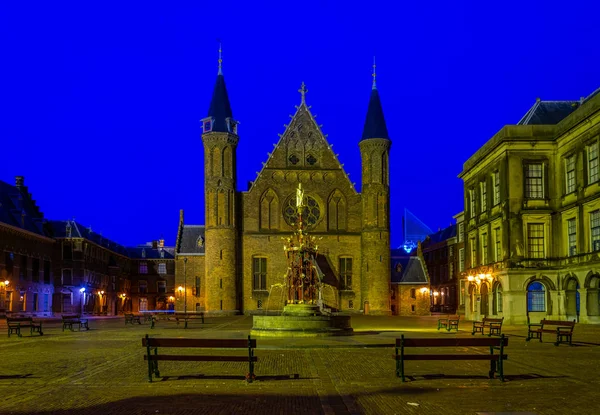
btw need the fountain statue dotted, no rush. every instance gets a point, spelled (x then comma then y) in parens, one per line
(302, 314)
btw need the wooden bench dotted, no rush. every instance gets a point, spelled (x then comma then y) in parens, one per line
(68, 321)
(449, 322)
(185, 317)
(132, 318)
(15, 324)
(494, 326)
(562, 329)
(152, 356)
(492, 343)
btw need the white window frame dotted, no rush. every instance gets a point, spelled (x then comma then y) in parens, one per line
(571, 236)
(461, 259)
(531, 180)
(570, 177)
(483, 195)
(592, 164)
(496, 181)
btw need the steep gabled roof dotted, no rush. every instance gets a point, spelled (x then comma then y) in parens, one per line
(407, 269)
(220, 109)
(548, 112)
(147, 252)
(192, 240)
(440, 236)
(375, 126)
(59, 228)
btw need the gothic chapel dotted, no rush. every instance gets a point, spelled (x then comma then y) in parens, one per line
(235, 262)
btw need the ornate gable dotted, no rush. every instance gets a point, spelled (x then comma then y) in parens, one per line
(302, 152)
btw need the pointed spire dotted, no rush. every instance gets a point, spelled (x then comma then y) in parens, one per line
(375, 126)
(220, 109)
(220, 72)
(374, 75)
(303, 92)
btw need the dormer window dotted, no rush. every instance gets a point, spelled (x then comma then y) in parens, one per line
(143, 253)
(68, 230)
(162, 253)
(207, 125)
(231, 125)
(200, 242)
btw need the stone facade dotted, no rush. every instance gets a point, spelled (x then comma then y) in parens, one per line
(532, 216)
(243, 258)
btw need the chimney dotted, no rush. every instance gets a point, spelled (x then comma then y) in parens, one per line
(154, 244)
(161, 243)
(19, 182)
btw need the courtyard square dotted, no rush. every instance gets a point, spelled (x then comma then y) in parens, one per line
(102, 371)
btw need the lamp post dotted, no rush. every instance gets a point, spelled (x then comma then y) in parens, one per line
(185, 285)
(81, 294)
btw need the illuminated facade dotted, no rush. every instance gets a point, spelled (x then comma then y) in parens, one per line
(532, 217)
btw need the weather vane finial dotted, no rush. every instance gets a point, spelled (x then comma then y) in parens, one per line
(374, 75)
(220, 59)
(303, 92)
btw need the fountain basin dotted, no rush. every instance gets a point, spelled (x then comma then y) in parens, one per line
(301, 325)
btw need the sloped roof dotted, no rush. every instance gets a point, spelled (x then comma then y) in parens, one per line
(440, 236)
(188, 243)
(59, 228)
(407, 269)
(548, 112)
(220, 109)
(18, 209)
(147, 252)
(375, 126)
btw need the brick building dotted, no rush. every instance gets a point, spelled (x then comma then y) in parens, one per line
(410, 283)
(152, 277)
(26, 247)
(439, 252)
(241, 258)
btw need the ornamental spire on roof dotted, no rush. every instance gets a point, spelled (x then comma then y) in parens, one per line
(303, 92)
(374, 75)
(220, 72)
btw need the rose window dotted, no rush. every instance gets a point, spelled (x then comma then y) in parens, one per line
(311, 212)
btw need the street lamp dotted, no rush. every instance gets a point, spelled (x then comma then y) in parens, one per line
(185, 285)
(81, 294)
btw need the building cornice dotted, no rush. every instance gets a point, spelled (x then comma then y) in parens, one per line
(26, 232)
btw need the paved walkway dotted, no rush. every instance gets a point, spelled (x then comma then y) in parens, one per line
(103, 372)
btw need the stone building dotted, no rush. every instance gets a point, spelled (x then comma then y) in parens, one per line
(91, 272)
(410, 283)
(236, 260)
(439, 252)
(26, 246)
(152, 277)
(532, 216)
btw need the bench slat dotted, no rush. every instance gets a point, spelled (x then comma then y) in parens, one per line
(462, 342)
(195, 358)
(207, 343)
(451, 357)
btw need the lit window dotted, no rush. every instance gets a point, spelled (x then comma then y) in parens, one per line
(143, 268)
(497, 299)
(534, 181)
(461, 259)
(472, 202)
(570, 174)
(535, 240)
(536, 297)
(473, 252)
(162, 268)
(461, 232)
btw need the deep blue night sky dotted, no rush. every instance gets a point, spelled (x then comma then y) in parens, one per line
(101, 102)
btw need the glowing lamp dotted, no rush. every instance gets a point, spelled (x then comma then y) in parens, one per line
(180, 288)
(6, 282)
(82, 289)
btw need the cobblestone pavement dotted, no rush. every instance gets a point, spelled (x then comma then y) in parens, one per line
(102, 371)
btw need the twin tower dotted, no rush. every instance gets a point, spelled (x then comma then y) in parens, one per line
(244, 258)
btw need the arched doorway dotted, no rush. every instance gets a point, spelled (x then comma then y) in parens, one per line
(485, 306)
(497, 299)
(593, 296)
(572, 299)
